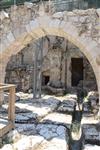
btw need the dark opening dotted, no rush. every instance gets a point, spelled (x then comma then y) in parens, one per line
(45, 80)
(77, 70)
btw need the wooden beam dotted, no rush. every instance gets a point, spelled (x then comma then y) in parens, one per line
(11, 110)
(7, 124)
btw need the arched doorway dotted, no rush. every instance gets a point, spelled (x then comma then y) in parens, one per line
(61, 65)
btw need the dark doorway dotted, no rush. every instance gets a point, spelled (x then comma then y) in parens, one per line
(77, 70)
(45, 80)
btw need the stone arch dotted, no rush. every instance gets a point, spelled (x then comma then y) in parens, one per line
(15, 40)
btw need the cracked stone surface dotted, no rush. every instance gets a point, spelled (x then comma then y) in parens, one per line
(37, 137)
(56, 137)
(58, 118)
(67, 106)
(92, 133)
(48, 131)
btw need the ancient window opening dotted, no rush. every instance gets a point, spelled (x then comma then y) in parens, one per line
(45, 80)
(77, 70)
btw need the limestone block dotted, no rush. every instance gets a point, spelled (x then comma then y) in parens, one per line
(10, 37)
(28, 28)
(34, 24)
(98, 11)
(7, 147)
(14, 8)
(93, 147)
(17, 32)
(58, 15)
(28, 142)
(58, 118)
(2, 47)
(54, 23)
(4, 44)
(44, 21)
(92, 133)
(3, 15)
(67, 106)
(28, 4)
(98, 60)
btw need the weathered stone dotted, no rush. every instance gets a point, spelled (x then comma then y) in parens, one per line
(53, 65)
(61, 131)
(30, 142)
(92, 102)
(93, 95)
(92, 133)
(58, 15)
(89, 118)
(7, 147)
(3, 15)
(6, 97)
(13, 136)
(48, 131)
(67, 106)
(57, 137)
(93, 147)
(26, 128)
(28, 4)
(54, 144)
(28, 110)
(26, 117)
(98, 60)
(59, 119)
(72, 27)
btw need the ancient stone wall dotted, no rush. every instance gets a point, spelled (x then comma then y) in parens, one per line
(20, 67)
(23, 24)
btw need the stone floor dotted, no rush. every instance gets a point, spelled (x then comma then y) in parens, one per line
(44, 124)
(91, 147)
(40, 124)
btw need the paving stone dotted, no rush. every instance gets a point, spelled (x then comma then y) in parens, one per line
(26, 110)
(27, 143)
(7, 147)
(92, 133)
(58, 118)
(56, 137)
(26, 128)
(91, 147)
(67, 106)
(89, 118)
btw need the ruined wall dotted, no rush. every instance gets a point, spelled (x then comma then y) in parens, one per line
(56, 53)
